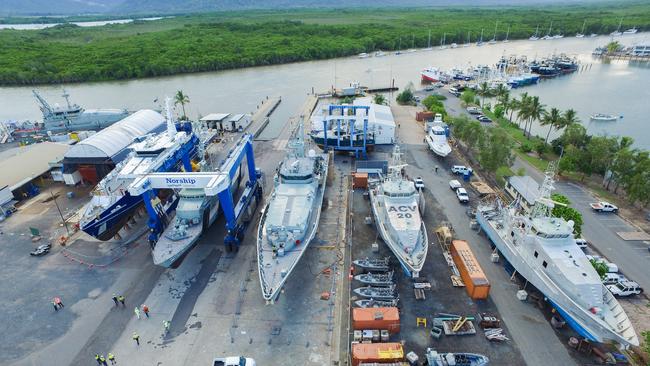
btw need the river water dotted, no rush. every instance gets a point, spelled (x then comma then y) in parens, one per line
(99, 23)
(616, 88)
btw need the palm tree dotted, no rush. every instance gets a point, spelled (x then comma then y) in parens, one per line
(513, 106)
(379, 99)
(570, 117)
(504, 99)
(483, 91)
(523, 110)
(553, 119)
(501, 91)
(536, 110)
(182, 99)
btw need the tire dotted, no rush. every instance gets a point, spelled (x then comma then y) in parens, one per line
(640, 291)
(615, 211)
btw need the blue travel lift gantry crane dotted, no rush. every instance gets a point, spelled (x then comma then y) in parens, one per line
(213, 183)
(351, 124)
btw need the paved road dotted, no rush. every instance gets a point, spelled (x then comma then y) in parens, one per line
(600, 229)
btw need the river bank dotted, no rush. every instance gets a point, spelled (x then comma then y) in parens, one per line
(69, 53)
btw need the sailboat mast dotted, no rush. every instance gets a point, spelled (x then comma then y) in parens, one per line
(429, 43)
(495, 30)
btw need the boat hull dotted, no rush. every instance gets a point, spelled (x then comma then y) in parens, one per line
(576, 317)
(272, 282)
(112, 219)
(409, 269)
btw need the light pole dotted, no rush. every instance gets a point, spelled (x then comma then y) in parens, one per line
(60, 213)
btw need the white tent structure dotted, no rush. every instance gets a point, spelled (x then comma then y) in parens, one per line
(110, 141)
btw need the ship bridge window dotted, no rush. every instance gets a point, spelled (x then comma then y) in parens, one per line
(296, 177)
(544, 264)
(536, 254)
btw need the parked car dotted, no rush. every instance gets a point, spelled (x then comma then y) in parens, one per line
(419, 183)
(474, 110)
(582, 243)
(484, 119)
(461, 169)
(454, 184)
(41, 250)
(417, 98)
(462, 195)
(430, 87)
(454, 92)
(233, 361)
(603, 207)
(625, 288)
(613, 278)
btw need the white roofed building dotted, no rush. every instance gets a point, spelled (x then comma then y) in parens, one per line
(95, 156)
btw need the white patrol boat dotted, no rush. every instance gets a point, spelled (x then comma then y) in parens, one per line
(396, 207)
(542, 249)
(290, 219)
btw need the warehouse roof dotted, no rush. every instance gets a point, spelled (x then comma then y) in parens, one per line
(526, 186)
(113, 139)
(215, 117)
(22, 164)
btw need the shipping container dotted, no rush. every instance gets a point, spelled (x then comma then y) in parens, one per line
(377, 352)
(360, 180)
(424, 116)
(476, 283)
(376, 318)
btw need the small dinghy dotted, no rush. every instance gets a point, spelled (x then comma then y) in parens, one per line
(372, 303)
(457, 359)
(376, 292)
(376, 279)
(373, 264)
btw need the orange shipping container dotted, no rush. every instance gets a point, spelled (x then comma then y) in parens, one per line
(376, 318)
(377, 352)
(424, 115)
(360, 180)
(476, 283)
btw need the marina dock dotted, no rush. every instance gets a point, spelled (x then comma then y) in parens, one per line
(260, 118)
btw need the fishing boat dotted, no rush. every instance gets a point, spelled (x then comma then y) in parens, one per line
(372, 303)
(435, 358)
(376, 279)
(396, 207)
(111, 205)
(603, 117)
(437, 140)
(349, 134)
(431, 75)
(372, 264)
(363, 55)
(542, 249)
(453, 45)
(377, 293)
(71, 117)
(290, 219)
(380, 53)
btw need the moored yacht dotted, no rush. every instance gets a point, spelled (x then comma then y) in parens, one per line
(396, 208)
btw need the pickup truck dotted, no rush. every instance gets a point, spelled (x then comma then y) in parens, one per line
(419, 183)
(461, 193)
(233, 361)
(461, 169)
(603, 207)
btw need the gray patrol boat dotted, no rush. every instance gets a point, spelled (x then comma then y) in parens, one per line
(396, 206)
(72, 117)
(290, 219)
